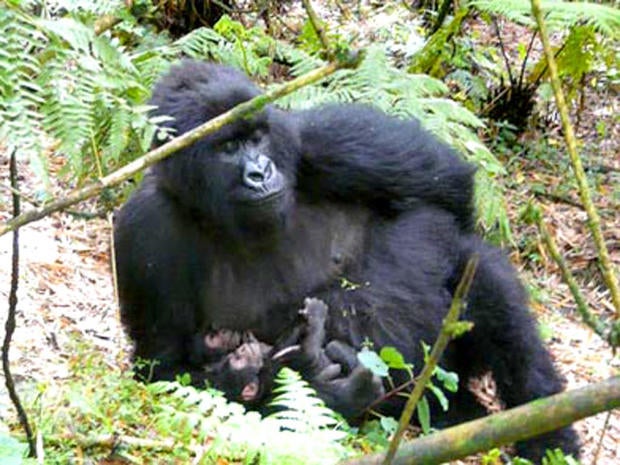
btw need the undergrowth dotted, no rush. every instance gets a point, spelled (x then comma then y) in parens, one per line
(99, 413)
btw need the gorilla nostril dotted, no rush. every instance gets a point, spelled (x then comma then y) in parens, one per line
(256, 176)
(253, 178)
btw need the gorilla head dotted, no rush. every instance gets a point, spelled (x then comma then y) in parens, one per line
(251, 161)
(245, 373)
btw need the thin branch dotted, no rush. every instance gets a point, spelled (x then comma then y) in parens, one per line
(104, 23)
(10, 321)
(504, 53)
(445, 336)
(557, 198)
(599, 446)
(582, 307)
(444, 9)
(139, 164)
(527, 55)
(112, 441)
(517, 424)
(594, 221)
(318, 26)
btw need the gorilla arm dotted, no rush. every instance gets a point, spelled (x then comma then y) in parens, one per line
(358, 153)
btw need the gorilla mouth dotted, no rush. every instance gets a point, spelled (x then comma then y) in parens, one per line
(254, 198)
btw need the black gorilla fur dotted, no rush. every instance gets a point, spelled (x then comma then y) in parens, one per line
(236, 230)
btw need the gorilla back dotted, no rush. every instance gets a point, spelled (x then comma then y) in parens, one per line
(236, 230)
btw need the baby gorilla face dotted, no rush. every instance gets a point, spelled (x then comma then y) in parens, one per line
(240, 372)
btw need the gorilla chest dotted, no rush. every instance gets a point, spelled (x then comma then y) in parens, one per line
(262, 292)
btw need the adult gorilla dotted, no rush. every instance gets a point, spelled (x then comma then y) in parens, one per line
(236, 230)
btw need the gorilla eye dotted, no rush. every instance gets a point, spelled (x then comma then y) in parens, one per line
(256, 137)
(230, 147)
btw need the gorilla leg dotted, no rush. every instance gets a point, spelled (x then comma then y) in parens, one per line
(505, 341)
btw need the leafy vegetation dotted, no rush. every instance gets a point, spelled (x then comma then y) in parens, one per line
(98, 412)
(88, 92)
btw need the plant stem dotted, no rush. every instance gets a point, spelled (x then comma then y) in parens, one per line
(445, 336)
(594, 221)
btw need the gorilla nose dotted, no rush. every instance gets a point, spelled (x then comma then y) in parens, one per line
(256, 172)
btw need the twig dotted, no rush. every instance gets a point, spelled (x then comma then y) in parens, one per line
(527, 55)
(10, 321)
(594, 221)
(600, 440)
(445, 335)
(559, 199)
(582, 307)
(112, 441)
(104, 23)
(344, 11)
(504, 53)
(318, 27)
(21, 195)
(176, 144)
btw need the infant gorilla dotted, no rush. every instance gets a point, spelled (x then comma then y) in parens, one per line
(244, 368)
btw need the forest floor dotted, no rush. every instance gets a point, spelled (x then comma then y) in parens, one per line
(66, 288)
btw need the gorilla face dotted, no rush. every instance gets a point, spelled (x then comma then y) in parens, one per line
(240, 179)
(245, 373)
(259, 193)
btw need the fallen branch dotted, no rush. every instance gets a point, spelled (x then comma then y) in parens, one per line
(185, 140)
(517, 424)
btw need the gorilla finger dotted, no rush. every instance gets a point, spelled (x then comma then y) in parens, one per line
(328, 373)
(362, 380)
(343, 354)
(314, 311)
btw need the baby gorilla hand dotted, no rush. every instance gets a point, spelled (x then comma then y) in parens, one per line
(354, 388)
(311, 360)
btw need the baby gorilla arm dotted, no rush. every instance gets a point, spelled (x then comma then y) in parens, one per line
(334, 370)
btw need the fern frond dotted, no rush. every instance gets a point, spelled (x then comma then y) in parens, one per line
(558, 14)
(91, 88)
(299, 408)
(20, 120)
(245, 436)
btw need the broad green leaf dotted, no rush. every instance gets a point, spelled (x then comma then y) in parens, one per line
(371, 360)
